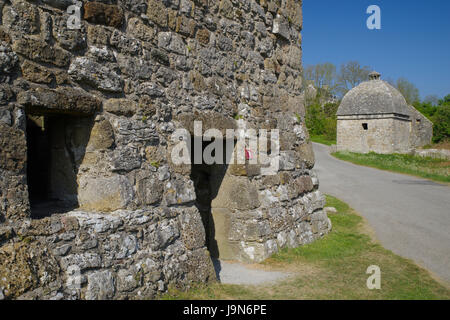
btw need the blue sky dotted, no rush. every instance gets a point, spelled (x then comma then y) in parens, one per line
(414, 41)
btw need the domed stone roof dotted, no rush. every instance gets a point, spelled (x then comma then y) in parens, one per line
(373, 97)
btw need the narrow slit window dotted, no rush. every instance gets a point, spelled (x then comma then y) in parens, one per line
(365, 126)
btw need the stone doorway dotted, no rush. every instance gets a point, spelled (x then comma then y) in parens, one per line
(207, 180)
(56, 146)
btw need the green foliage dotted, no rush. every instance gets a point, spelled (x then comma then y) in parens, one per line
(322, 120)
(439, 115)
(441, 120)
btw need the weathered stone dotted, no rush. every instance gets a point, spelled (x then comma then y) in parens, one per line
(149, 190)
(36, 73)
(99, 76)
(61, 4)
(185, 26)
(102, 136)
(60, 100)
(306, 154)
(100, 286)
(100, 13)
(236, 193)
(62, 250)
(281, 27)
(68, 39)
(208, 119)
(299, 186)
(139, 30)
(40, 51)
(24, 266)
(164, 234)
(330, 210)
(137, 6)
(171, 42)
(192, 230)
(22, 17)
(105, 194)
(226, 9)
(8, 60)
(203, 36)
(98, 35)
(125, 159)
(127, 280)
(12, 156)
(120, 107)
(125, 44)
(293, 12)
(6, 233)
(157, 12)
(179, 192)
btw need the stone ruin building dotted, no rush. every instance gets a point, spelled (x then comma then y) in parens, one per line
(374, 116)
(91, 204)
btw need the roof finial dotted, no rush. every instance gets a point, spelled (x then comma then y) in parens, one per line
(374, 75)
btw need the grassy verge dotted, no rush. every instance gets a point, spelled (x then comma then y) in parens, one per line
(333, 268)
(428, 168)
(441, 145)
(323, 140)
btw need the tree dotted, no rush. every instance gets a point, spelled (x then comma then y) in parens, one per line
(445, 100)
(322, 75)
(408, 90)
(441, 120)
(431, 99)
(351, 74)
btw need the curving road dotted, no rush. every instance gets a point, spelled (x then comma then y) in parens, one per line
(410, 216)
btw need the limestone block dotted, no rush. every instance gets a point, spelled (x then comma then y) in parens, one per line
(102, 136)
(100, 286)
(40, 51)
(62, 100)
(306, 154)
(104, 194)
(120, 107)
(236, 193)
(157, 12)
(87, 71)
(100, 13)
(21, 17)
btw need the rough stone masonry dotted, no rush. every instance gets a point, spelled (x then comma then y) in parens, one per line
(91, 205)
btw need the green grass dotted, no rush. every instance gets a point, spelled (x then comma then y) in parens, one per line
(322, 139)
(428, 168)
(333, 267)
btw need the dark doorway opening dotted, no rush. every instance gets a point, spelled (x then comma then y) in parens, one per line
(365, 126)
(207, 180)
(56, 146)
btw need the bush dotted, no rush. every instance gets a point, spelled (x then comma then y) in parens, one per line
(322, 121)
(441, 127)
(440, 116)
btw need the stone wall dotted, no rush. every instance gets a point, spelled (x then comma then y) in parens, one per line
(422, 129)
(384, 134)
(134, 72)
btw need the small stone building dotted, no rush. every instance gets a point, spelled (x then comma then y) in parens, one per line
(374, 116)
(91, 204)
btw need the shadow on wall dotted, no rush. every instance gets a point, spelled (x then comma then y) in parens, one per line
(56, 147)
(207, 181)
